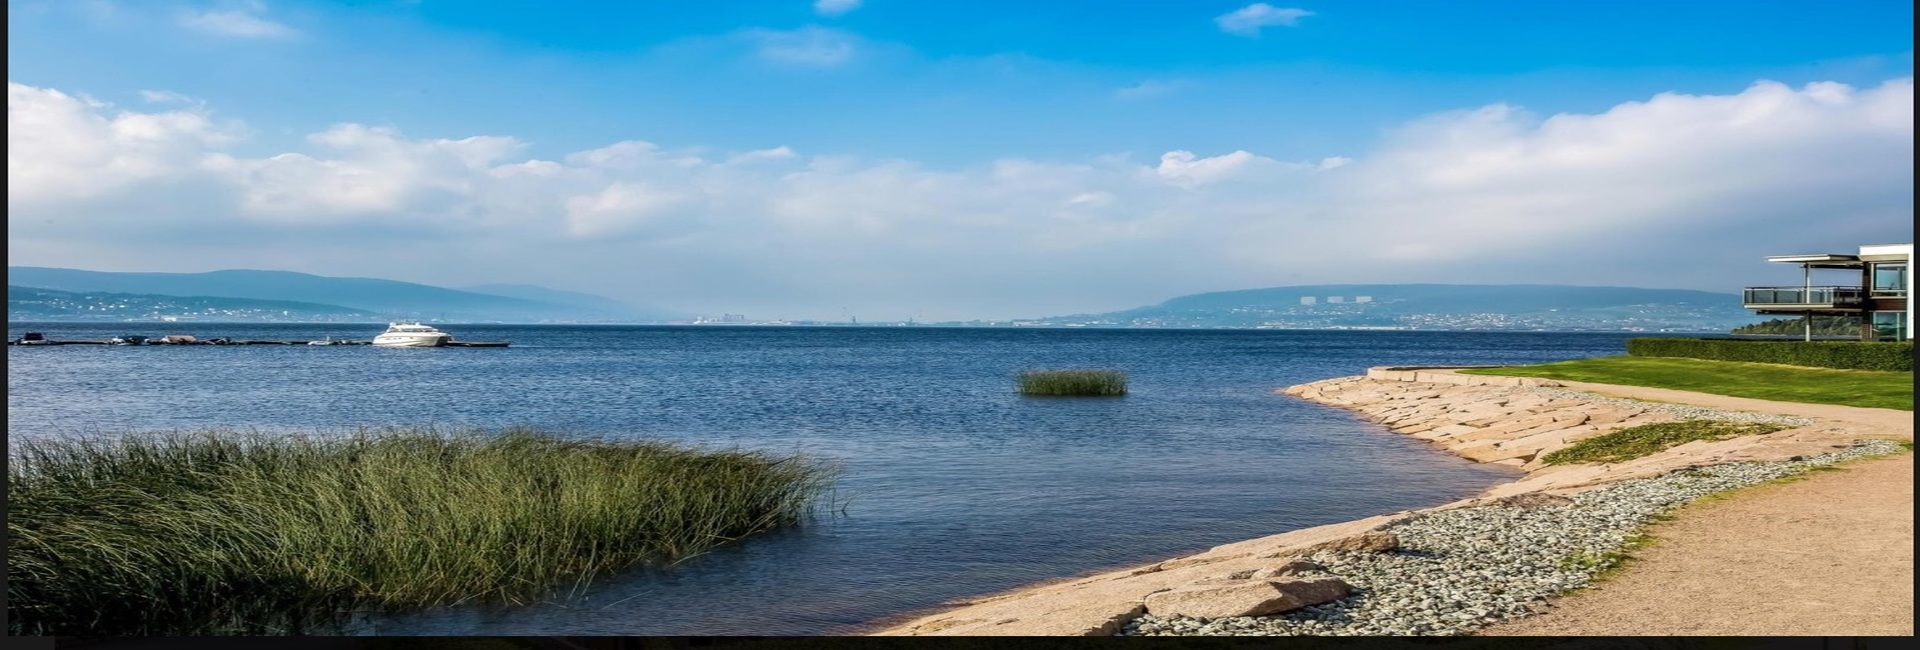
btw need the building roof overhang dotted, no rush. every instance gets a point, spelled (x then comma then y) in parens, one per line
(1821, 260)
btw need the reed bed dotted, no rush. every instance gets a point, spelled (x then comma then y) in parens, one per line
(235, 533)
(1073, 382)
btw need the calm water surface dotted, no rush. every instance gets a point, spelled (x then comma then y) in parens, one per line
(954, 484)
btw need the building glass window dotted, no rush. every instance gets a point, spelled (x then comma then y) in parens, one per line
(1890, 325)
(1890, 279)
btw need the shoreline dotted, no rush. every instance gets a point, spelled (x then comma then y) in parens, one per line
(1508, 421)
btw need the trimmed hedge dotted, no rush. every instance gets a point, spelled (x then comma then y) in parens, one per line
(1844, 355)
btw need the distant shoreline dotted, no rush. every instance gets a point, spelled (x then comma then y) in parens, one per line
(903, 325)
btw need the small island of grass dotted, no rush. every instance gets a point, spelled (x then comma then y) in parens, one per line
(1073, 383)
(230, 533)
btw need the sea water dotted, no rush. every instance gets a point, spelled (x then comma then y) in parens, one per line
(953, 484)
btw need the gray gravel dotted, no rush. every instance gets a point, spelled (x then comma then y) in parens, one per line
(1683, 410)
(1459, 570)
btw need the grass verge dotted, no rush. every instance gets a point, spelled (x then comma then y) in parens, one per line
(1633, 442)
(1606, 563)
(1073, 382)
(1868, 388)
(232, 533)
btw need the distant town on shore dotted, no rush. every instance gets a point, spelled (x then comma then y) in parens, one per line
(66, 295)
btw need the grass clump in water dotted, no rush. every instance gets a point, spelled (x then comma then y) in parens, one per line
(231, 533)
(1073, 382)
(1633, 442)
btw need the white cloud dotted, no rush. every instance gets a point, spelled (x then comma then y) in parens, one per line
(617, 206)
(376, 173)
(1671, 190)
(1249, 20)
(834, 7)
(72, 148)
(813, 46)
(165, 97)
(1184, 169)
(776, 153)
(243, 22)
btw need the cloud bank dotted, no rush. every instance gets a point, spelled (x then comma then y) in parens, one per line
(1676, 190)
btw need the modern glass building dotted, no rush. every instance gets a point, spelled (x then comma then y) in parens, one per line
(1879, 300)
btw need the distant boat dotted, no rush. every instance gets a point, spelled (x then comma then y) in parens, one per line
(329, 341)
(411, 334)
(33, 338)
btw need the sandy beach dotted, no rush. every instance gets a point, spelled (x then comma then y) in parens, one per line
(1834, 547)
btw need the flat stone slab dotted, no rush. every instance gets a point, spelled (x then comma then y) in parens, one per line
(1246, 597)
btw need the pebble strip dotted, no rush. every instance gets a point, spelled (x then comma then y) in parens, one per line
(1459, 570)
(1682, 410)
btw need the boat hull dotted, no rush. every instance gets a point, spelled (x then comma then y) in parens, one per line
(410, 341)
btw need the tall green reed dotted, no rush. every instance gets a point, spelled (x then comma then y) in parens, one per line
(236, 533)
(1073, 382)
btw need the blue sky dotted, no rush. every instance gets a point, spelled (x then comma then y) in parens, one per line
(915, 151)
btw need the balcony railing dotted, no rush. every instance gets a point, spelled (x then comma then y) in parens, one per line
(1805, 297)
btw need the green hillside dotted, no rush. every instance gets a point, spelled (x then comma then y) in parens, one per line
(34, 304)
(389, 299)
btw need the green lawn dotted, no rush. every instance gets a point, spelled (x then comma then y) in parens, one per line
(1871, 388)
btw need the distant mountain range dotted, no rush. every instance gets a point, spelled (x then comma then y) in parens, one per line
(36, 293)
(1438, 306)
(376, 299)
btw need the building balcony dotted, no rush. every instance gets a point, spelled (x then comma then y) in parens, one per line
(1804, 298)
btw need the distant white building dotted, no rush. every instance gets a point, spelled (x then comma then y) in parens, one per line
(1308, 300)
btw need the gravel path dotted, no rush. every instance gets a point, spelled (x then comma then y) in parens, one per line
(1460, 570)
(1834, 554)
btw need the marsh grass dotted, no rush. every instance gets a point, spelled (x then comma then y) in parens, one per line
(233, 533)
(1073, 382)
(1633, 442)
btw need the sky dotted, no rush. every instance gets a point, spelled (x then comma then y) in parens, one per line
(894, 159)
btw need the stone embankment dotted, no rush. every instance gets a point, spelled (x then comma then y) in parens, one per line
(1443, 570)
(1515, 421)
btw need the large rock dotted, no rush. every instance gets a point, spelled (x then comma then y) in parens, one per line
(1533, 500)
(1228, 598)
(1293, 567)
(1371, 541)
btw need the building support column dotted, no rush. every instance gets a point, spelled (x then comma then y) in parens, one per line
(1806, 297)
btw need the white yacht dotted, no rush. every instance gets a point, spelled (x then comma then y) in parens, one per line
(411, 334)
